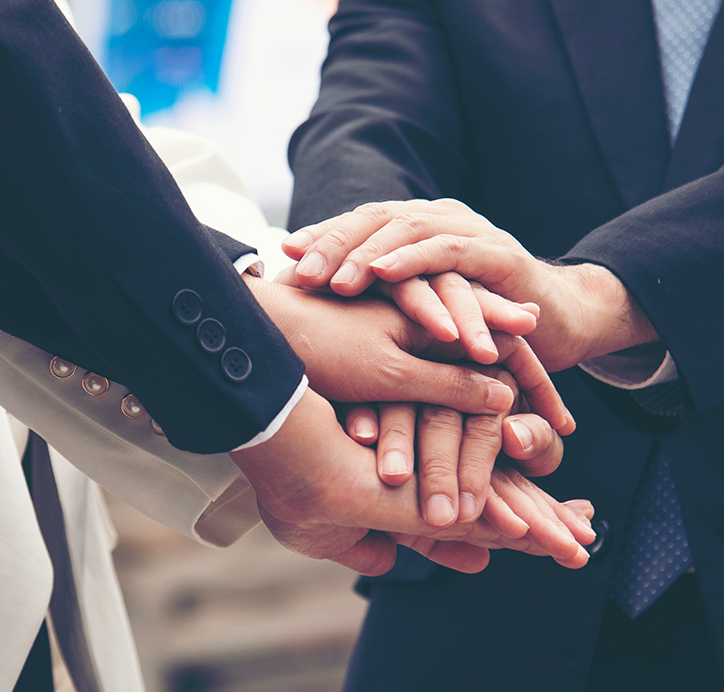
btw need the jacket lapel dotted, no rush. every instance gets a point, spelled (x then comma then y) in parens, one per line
(699, 149)
(614, 57)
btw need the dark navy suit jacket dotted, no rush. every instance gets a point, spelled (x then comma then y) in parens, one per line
(548, 117)
(96, 241)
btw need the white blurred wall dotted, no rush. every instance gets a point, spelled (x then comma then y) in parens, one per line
(269, 81)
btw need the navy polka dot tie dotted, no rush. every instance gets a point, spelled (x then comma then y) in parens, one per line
(682, 28)
(656, 550)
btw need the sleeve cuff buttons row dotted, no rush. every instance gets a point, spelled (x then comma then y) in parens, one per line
(187, 308)
(96, 385)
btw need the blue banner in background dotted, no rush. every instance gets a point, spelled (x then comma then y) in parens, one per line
(161, 49)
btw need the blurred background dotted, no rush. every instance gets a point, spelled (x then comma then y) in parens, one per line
(255, 617)
(243, 73)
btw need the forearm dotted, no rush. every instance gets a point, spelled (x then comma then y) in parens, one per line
(79, 177)
(669, 253)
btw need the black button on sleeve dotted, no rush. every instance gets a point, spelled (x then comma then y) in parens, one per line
(187, 306)
(211, 335)
(236, 364)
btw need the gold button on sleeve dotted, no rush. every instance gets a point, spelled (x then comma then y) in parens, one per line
(95, 385)
(132, 408)
(157, 428)
(61, 369)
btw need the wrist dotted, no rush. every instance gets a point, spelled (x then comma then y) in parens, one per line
(283, 304)
(287, 464)
(611, 318)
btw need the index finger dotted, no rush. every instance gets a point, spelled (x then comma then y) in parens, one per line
(327, 250)
(533, 381)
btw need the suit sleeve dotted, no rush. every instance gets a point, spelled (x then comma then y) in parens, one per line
(386, 125)
(669, 252)
(96, 242)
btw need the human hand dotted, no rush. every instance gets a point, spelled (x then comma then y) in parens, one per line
(319, 494)
(365, 350)
(455, 474)
(454, 453)
(449, 307)
(585, 310)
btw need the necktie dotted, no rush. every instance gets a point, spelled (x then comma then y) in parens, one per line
(64, 601)
(682, 28)
(656, 549)
(37, 673)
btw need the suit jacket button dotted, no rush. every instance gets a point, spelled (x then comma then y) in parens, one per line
(61, 369)
(187, 306)
(95, 385)
(236, 364)
(157, 428)
(211, 335)
(131, 407)
(599, 547)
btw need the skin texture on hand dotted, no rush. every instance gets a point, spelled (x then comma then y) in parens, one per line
(585, 310)
(366, 350)
(459, 468)
(454, 453)
(319, 494)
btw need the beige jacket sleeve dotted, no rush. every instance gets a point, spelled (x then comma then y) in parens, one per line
(204, 497)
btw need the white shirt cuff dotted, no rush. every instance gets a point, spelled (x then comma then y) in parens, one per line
(251, 262)
(279, 420)
(631, 371)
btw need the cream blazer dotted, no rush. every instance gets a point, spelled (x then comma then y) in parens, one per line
(204, 497)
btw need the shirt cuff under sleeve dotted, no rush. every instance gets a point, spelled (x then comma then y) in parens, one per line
(632, 370)
(280, 418)
(250, 262)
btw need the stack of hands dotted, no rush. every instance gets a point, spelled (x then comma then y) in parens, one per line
(432, 304)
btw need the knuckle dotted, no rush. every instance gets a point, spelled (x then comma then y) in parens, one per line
(437, 472)
(374, 210)
(372, 247)
(413, 223)
(440, 417)
(483, 428)
(450, 280)
(449, 204)
(395, 429)
(502, 479)
(454, 243)
(338, 237)
(517, 479)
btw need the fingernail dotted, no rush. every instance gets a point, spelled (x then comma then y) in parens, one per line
(299, 239)
(311, 265)
(532, 309)
(522, 524)
(364, 428)
(448, 323)
(580, 507)
(386, 262)
(485, 343)
(586, 528)
(569, 417)
(468, 507)
(346, 274)
(522, 433)
(439, 510)
(521, 312)
(583, 553)
(394, 464)
(500, 398)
